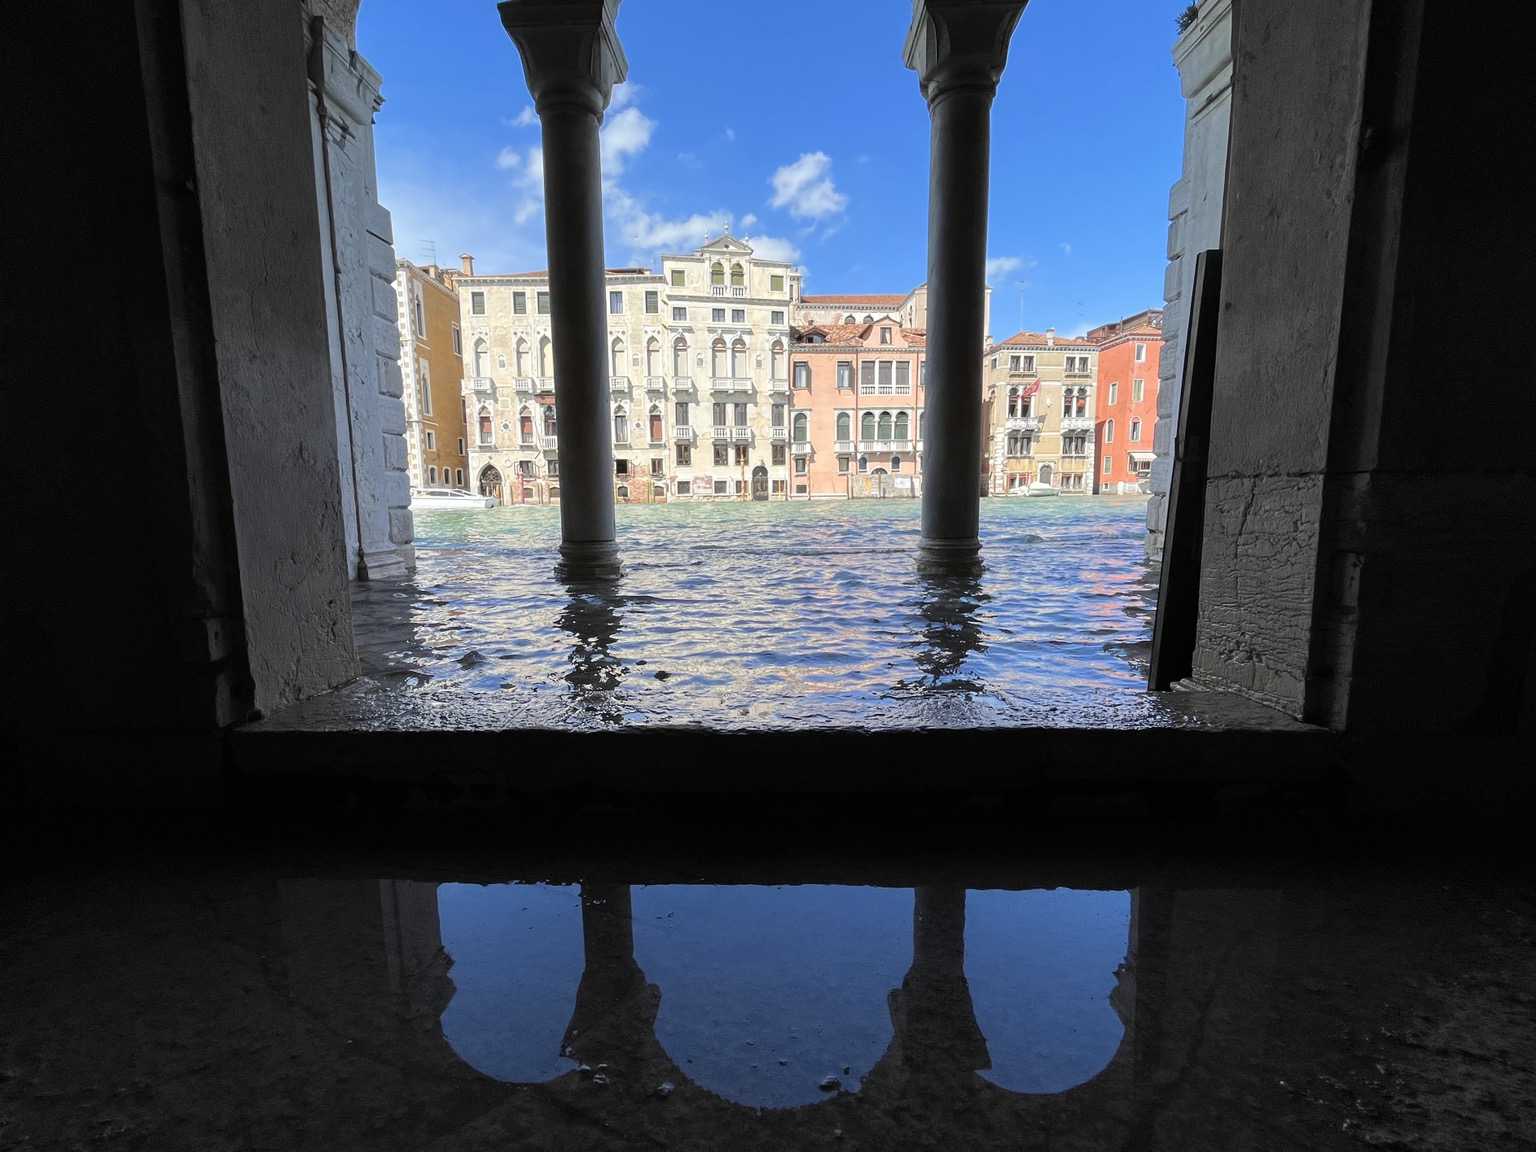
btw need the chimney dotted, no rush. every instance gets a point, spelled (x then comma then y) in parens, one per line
(1050, 337)
(466, 264)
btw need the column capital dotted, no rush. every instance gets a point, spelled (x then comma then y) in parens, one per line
(955, 44)
(571, 53)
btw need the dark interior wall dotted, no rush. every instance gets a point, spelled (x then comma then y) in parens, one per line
(111, 599)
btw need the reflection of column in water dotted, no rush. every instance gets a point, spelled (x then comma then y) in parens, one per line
(935, 1022)
(592, 616)
(615, 1015)
(949, 606)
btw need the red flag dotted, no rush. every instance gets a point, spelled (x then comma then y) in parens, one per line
(1030, 389)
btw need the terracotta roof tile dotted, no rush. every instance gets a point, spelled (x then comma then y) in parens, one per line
(879, 300)
(1038, 340)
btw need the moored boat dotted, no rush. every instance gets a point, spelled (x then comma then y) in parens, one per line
(447, 499)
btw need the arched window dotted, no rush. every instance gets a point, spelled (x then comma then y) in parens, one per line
(869, 319)
(1109, 431)
(1013, 401)
(885, 426)
(776, 355)
(680, 357)
(525, 427)
(738, 276)
(1082, 401)
(895, 463)
(520, 356)
(487, 431)
(802, 427)
(717, 273)
(482, 357)
(653, 357)
(549, 419)
(623, 491)
(501, 361)
(432, 474)
(844, 426)
(848, 319)
(458, 477)
(620, 425)
(1135, 431)
(616, 358)
(717, 358)
(902, 425)
(863, 463)
(546, 357)
(867, 426)
(921, 418)
(655, 418)
(739, 365)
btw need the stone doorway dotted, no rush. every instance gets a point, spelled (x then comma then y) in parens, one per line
(760, 483)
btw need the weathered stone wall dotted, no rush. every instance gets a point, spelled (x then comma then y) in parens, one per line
(1203, 56)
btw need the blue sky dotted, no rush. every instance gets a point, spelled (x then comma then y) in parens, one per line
(802, 128)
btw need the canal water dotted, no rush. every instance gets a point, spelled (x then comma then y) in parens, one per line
(776, 615)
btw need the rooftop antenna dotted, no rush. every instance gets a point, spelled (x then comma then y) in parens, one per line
(1023, 284)
(429, 248)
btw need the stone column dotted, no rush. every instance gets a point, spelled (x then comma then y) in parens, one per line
(958, 49)
(572, 59)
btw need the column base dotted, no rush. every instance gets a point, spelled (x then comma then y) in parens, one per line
(589, 560)
(949, 557)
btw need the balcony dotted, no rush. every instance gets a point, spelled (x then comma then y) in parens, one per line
(522, 384)
(800, 448)
(479, 384)
(1025, 371)
(885, 445)
(655, 383)
(778, 434)
(1077, 372)
(544, 384)
(1076, 424)
(779, 387)
(619, 385)
(485, 445)
(1022, 424)
(683, 433)
(683, 384)
(549, 443)
(741, 434)
(731, 383)
(717, 289)
(721, 432)
(842, 445)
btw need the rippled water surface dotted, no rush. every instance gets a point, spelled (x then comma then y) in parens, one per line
(775, 615)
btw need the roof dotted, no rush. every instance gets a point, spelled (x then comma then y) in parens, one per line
(848, 334)
(878, 300)
(1042, 340)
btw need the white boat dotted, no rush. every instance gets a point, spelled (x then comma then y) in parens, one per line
(1039, 488)
(444, 499)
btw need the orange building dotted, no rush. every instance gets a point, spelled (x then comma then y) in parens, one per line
(432, 371)
(856, 409)
(1129, 352)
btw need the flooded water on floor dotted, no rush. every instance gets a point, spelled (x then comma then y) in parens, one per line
(796, 615)
(772, 997)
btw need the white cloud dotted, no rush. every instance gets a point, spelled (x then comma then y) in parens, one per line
(1002, 265)
(624, 95)
(1065, 247)
(730, 133)
(507, 158)
(625, 135)
(748, 220)
(806, 188)
(527, 118)
(773, 248)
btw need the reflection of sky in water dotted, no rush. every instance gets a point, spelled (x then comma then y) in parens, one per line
(751, 976)
(1041, 966)
(517, 958)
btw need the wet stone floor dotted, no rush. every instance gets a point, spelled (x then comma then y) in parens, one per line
(771, 615)
(245, 999)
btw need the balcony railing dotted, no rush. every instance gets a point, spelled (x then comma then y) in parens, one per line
(800, 448)
(1022, 424)
(741, 434)
(655, 383)
(683, 384)
(731, 383)
(721, 432)
(1076, 424)
(522, 384)
(549, 443)
(1077, 372)
(1025, 370)
(619, 384)
(717, 289)
(885, 445)
(842, 445)
(779, 434)
(779, 386)
(544, 384)
(480, 384)
(683, 433)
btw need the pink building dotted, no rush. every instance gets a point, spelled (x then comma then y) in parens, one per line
(856, 409)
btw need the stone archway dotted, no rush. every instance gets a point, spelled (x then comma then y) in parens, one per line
(490, 483)
(760, 483)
